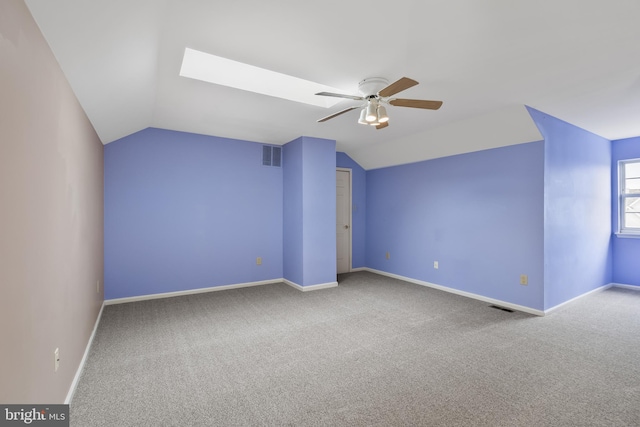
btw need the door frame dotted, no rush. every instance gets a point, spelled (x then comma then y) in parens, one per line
(350, 201)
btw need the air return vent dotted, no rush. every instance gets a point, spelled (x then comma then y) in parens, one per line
(508, 310)
(271, 156)
(276, 156)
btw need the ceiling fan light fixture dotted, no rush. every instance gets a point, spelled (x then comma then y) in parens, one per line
(382, 114)
(376, 92)
(363, 117)
(372, 114)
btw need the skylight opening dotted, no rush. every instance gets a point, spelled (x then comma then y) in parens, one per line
(221, 71)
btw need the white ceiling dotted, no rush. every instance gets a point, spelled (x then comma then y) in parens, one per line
(578, 60)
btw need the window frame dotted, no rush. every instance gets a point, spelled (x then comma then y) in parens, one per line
(624, 231)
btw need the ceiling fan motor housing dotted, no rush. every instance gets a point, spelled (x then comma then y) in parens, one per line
(370, 87)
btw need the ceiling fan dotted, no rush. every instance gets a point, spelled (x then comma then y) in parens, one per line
(376, 92)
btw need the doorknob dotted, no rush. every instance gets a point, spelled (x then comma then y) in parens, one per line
(346, 226)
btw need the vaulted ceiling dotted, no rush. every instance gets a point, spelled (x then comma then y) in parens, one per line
(578, 60)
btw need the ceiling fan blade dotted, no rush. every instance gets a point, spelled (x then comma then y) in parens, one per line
(382, 125)
(416, 103)
(324, 119)
(339, 95)
(402, 84)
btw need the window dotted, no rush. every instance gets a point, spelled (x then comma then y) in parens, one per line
(629, 171)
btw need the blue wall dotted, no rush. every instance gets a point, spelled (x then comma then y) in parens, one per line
(319, 210)
(186, 211)
(309, 183)
(577, 200)
(626, 251)
(293, 262)
(358, 208)
(480, 215)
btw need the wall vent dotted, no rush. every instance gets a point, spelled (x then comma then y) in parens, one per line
(508, 310)
(276, 157)
(271, 155)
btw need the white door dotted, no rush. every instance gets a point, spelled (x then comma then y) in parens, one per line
(343, 220)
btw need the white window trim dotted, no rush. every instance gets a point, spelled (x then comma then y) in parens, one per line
(633, 233)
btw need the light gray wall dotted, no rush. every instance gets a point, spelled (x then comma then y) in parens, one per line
(51, 217)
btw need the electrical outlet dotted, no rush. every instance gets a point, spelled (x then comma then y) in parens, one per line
(524, 280)
(435, 264)
(259, 260)
(56, 360)
(388, 256)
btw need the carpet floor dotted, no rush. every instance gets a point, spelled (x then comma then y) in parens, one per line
(373, 351)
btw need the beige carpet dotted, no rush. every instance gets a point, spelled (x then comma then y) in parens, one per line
(372, 352)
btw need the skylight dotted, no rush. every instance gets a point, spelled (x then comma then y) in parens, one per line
(214, 69)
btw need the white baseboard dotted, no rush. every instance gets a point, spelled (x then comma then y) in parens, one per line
(76, 378)
(462, 293)
(310, 287)
(620, 285)
(353, 270)
(190, 292)
(593, 291)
